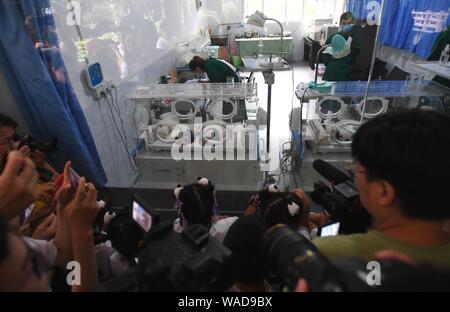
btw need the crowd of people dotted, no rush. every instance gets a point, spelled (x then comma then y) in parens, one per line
(400, 169)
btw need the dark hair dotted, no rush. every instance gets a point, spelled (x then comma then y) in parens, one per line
(197, 61)
(125, 235)
(410, 150)
(198, 204)
(348, 16)
(244, 239)
(274, 208)
(6, 121)
(4, 247)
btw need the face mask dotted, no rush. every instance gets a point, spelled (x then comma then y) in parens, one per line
(347, 28)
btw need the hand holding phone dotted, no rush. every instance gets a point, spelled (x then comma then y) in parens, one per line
(74, 179)
(330, 230)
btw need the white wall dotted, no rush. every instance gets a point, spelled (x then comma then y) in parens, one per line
(137, 25)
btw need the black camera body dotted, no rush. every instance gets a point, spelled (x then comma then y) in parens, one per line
(191, 261)
(292, 257)
(341, 200)
(343, 204)
(46, 146)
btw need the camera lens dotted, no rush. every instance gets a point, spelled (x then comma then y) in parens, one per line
(291, 256)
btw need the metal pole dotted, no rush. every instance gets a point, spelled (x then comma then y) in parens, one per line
(374, 55)
(317, 60)
(282, 34)
(269, 113)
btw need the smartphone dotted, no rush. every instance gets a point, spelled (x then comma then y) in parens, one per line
(27, 214)
(142, 216)
(330, 230)
(74, 179)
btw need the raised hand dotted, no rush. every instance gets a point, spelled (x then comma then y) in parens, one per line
(17, 184)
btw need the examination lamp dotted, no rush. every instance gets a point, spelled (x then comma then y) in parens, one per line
(259, 19)
(338, 45)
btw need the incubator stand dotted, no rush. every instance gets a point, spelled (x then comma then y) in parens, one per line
(199, 118)
(330, 119)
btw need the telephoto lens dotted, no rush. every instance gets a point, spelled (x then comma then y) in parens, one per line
(291, 256)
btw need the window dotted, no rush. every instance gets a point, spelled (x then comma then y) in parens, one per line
(296, 10)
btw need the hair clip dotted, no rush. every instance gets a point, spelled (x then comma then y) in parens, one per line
(203, 181)
(177, 191)
(273, 188)
(294, 209)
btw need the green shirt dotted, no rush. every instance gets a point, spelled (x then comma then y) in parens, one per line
(218, 71)
(365, 246)
(341, 69)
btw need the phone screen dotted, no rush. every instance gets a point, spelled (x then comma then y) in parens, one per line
(142, 217)
(74, 179)
(330, 230)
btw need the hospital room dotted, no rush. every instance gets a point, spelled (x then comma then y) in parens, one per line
(200, 148)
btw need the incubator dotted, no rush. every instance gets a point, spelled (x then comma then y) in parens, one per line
(329, 120)
(198, 129)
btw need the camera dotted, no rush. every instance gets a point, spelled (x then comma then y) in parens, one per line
(47, 146)
(341, 200)
(291, 256)
(190, 261)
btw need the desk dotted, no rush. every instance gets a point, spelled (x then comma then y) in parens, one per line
(247, 47)
(310, 52)
(434, 68)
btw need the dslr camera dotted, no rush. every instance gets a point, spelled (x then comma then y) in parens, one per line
(46, 146)
(291, 257)
(341, 199)
(191, 261)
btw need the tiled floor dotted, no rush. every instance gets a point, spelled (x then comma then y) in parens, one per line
(283, 100)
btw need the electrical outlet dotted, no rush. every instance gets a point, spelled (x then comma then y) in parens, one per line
(107, 85)
(97, 92)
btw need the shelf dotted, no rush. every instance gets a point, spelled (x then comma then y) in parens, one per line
(194, 91)
(382, 88)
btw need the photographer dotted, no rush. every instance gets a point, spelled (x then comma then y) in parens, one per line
(7, 128)
(9, 142)
(248, 263)
(401, 168)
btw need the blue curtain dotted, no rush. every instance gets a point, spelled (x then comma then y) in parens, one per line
(32, 63)
(397, 24)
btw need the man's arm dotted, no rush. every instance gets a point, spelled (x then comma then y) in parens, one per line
(17, 185)
(63, 239)
(80, 215)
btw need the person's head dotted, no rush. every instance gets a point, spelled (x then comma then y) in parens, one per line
(402, 165)
(244, 239)
(7, 128)
(197, 65)
(21, 269)
(125, 235)
(347, 21)
(280, 208)
(196, 203)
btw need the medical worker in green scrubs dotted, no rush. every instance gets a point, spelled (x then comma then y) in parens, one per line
(339, 64)
(217, 70)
